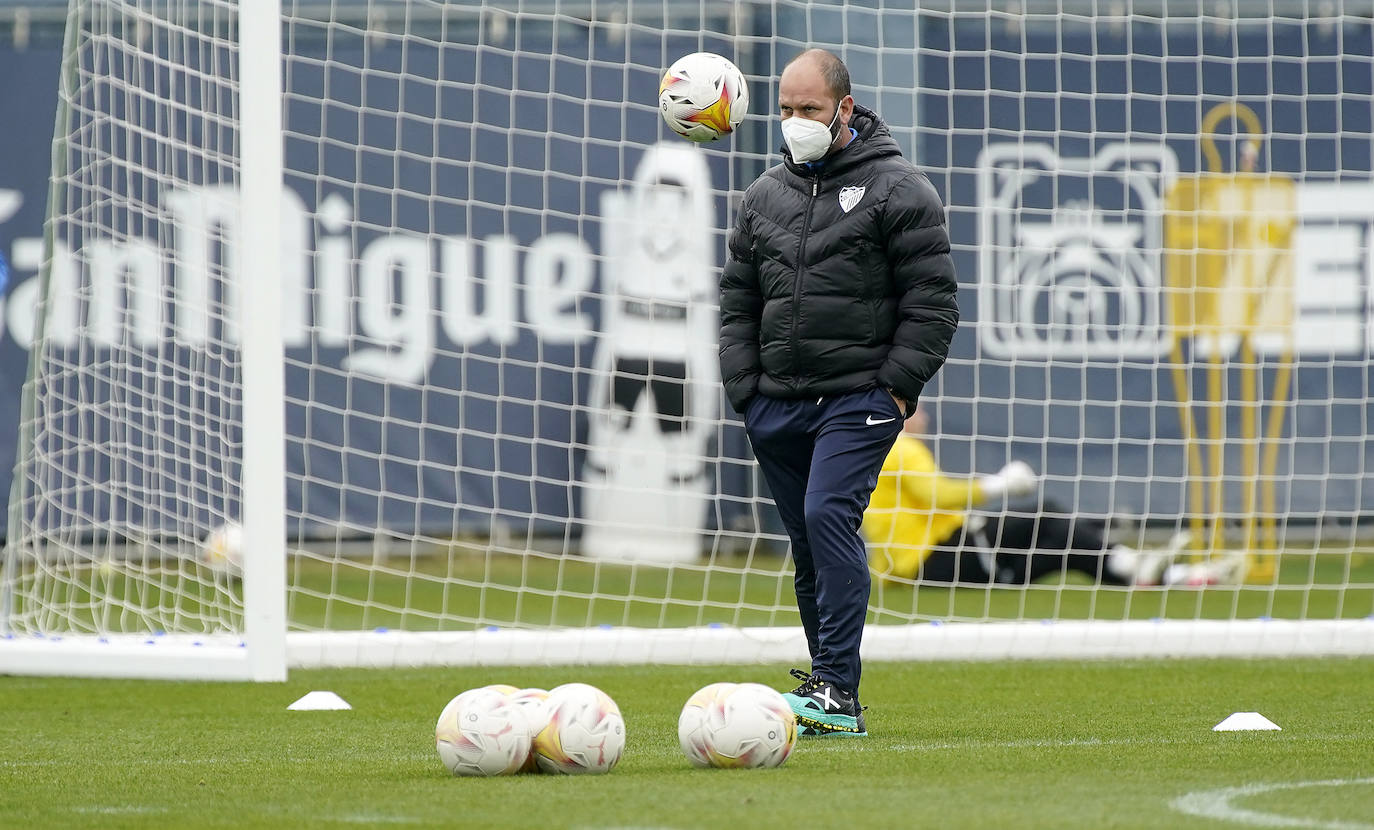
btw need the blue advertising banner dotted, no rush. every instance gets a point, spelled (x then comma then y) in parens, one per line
(446, 259)
(1059, 148)
(444, 280)
(28, 106)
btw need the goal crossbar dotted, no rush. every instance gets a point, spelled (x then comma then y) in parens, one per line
(182, 656)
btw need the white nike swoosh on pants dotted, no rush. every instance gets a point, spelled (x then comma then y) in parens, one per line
(874, 423)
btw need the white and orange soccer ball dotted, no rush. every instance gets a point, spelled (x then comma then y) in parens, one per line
(222, 549)
(483, 732)
(737, 725)
(584, 732)
(703, 96)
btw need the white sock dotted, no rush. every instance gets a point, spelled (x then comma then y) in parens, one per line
(1123, 562)
(1178, 574)
(1226, 569)
(1148, 567)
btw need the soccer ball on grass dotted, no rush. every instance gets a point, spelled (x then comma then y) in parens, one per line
(583, 733)
(533, 702)
(737, 725)
(483, 732)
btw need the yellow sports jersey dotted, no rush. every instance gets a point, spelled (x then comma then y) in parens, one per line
(913, 508)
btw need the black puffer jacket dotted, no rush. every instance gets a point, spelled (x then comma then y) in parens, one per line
(819, 300)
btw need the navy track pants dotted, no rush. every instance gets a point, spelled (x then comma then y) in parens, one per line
(821, 459)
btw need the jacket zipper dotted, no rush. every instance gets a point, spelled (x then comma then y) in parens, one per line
(797, 280)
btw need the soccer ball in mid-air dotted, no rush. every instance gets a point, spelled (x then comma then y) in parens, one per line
(584, 732)
(222, 549)
(734, 725)
(483, 732)
(703, 96)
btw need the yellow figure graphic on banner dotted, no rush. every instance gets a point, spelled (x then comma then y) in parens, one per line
(1229, 266)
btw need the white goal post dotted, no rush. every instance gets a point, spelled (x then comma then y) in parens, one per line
(257, 651)
(382, 332)
(263, 491)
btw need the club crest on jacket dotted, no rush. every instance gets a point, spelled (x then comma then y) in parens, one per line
(849, 197)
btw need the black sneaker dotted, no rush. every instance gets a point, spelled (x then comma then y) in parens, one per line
(822, 708)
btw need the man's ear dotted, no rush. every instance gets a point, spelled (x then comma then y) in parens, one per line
(846, 109)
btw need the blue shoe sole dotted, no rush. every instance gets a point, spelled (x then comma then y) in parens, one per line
(808, 720)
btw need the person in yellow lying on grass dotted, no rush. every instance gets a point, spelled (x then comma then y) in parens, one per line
(919, 525)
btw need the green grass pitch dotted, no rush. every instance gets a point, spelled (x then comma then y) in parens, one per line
(570, 591)
(953, 745)
(461, 590)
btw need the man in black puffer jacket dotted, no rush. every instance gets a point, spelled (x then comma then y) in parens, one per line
(837, 306)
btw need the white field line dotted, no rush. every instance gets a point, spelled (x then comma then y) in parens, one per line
(1033, 743)
(1216, 804)
(1213, 804)
(1065, 743)
(142, 810)
(372, 818)
(807, 745)
(221, 761)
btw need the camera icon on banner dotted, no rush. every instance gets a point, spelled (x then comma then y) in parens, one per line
(1070, 251)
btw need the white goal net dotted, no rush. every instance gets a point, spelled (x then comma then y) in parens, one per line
(505, 439)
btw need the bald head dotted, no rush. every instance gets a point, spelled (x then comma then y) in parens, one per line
(834, 74)
(815, 86)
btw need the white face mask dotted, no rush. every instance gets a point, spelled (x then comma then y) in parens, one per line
(808, 140)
